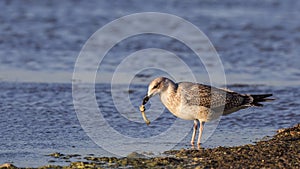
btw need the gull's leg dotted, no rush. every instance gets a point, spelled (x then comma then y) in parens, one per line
(200, 132)
(194, 132)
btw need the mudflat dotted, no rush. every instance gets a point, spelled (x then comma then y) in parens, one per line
(280, 151)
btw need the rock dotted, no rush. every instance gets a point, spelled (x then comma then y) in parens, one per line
(136, 155)
(56, 155)
(8, 165)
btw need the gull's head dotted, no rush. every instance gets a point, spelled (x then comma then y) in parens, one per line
(157, 86)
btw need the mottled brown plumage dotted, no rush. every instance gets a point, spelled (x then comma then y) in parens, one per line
(198, 102)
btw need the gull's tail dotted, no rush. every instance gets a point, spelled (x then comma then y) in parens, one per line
(260, 98)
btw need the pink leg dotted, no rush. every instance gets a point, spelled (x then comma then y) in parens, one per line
(194, 132)
(200, 132)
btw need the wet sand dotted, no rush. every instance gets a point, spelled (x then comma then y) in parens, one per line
(281, 151)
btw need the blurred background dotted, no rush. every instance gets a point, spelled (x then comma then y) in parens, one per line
(257, 41)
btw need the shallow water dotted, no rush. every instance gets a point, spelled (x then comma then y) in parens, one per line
(38, 119)
(39, 44)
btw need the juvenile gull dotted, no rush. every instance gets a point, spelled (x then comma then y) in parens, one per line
(199, 102)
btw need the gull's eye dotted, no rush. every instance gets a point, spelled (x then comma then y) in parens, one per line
(155, 86)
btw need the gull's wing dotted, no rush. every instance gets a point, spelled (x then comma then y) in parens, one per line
(211, 97)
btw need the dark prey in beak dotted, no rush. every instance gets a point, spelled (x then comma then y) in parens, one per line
(142, 109)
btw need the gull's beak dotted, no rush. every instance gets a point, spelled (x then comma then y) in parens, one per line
(146, 99)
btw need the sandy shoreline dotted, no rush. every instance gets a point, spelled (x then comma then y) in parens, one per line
(281, 151)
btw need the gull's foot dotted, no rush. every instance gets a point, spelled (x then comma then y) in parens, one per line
(192, 145)
(199, 146)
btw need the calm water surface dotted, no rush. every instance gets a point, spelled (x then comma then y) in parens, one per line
(258, 43)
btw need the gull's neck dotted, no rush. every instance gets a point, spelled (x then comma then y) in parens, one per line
(168, 97)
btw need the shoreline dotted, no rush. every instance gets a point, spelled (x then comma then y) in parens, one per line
(280, 151)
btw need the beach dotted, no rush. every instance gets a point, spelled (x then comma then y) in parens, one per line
(280, 151)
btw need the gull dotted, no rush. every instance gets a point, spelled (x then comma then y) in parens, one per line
(199, 102)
